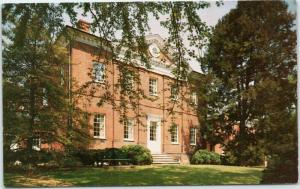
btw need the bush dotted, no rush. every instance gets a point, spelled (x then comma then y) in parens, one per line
(205, 157)
(138, 154)
(88, 157)
(228, 159)
(69, 161)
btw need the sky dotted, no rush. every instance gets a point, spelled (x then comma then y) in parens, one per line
(209, 15)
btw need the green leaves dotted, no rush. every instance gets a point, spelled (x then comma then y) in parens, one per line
(251, 55)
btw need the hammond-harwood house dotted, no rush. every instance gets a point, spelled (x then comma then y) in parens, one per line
(154, 131)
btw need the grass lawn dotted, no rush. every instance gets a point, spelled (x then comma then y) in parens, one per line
(139, 175)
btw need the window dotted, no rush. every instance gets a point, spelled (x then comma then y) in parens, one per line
(36, 144)
(99, 72)
(130, 81)
(153, 130)
(45, 98)
(193, 136)
(128, 130)
(62, 76)
(174, 93)
(174, 134)
(99, 126)
(194, 99)
(153, 87)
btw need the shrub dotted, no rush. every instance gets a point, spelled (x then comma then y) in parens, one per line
(88, 157)
(205, 157)
(138, 154)
(228, 159)
(69, 161)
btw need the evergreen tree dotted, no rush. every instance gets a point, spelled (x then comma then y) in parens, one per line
(253, 53)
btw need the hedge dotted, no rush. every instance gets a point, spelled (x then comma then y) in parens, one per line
(206, 157)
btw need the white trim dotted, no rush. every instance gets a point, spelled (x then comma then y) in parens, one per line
(154, 87)
(156, 66)
(36, 146)
(194, 98)
(103, 72)
(104, 127)
(177, 138)
(154, 146)
(132, 128)
(195, 136)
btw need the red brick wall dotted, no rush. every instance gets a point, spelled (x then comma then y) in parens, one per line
(185, 114)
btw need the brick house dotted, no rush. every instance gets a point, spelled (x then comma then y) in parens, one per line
(153, 130)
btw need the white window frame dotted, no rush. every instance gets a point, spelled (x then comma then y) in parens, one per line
(194, 98)
(153, 88)
(45, 97)
(36, 143)
(129, 127)
(176, 137)
(174, 96)
(194, 136)
(101, 135)
(102, 73)
(153, 127)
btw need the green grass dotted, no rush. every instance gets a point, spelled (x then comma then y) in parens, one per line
(139, 176)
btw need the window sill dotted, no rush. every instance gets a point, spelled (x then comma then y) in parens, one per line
(156, 95)
(101, 138)
(175, 143)
(193, 144)
(128, 140)
(99, 82)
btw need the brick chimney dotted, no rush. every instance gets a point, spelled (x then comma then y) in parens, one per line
(83, 25)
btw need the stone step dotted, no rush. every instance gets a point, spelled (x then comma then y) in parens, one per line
(164, 159)
(161, 156)
(166, 162)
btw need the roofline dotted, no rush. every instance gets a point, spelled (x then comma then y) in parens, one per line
(157, 35)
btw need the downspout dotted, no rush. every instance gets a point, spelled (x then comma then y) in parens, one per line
(69, 88)
(113, 121)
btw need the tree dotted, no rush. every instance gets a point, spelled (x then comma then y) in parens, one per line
(35, 105)
(253, 53)
(183, 23)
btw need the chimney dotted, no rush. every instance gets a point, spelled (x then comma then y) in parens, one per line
(83, 25)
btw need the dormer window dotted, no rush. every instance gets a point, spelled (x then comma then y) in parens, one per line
(99, 72)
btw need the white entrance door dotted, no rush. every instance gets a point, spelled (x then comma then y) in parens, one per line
(154, 135)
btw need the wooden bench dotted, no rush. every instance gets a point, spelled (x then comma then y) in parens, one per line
(113, 160)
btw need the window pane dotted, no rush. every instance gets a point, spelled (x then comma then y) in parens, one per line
(99, 127)
(193, 136)
(153, 130)
(194, 98)
(36, 144)
(174, 134)
(99, 71)
(153, 86)
(128, 129)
